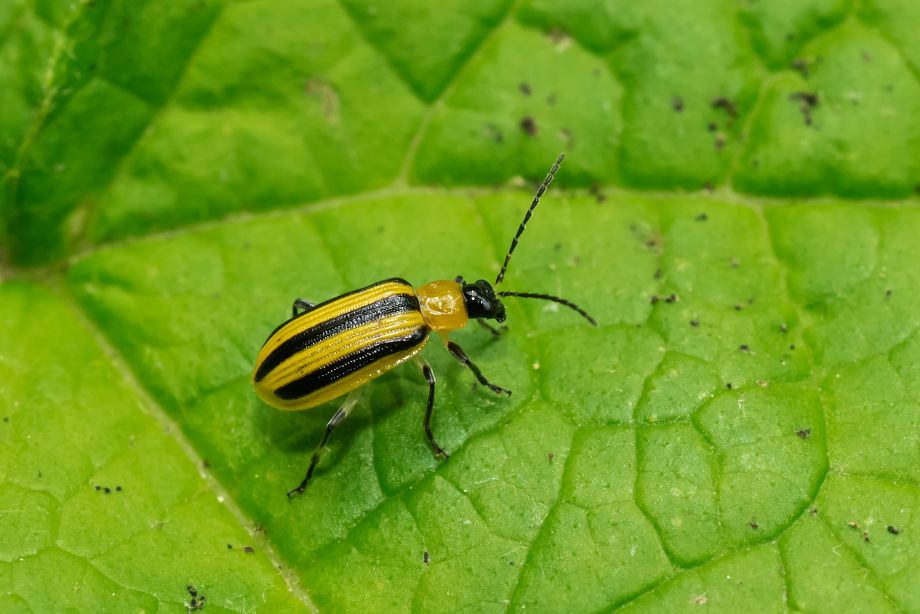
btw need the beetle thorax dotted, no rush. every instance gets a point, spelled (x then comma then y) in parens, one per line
(442, 306)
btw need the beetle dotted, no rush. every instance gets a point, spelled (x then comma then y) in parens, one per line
(331, 349)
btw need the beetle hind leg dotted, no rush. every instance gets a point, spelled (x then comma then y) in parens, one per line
(303, 304)
(336, 420)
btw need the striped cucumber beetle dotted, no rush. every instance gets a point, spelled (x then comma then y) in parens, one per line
(331, 349)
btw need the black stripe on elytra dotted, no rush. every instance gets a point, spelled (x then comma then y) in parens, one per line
(392, 305)
(334, 371)
(391, 280)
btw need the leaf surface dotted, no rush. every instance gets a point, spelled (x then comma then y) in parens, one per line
(740, 432)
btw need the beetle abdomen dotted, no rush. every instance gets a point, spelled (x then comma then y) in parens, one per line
(340, 345)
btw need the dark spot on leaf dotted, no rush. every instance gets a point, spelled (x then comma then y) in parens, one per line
(525, 88)
(425, 557)
(98, 487)
(249, 549)
(803, 433)
(719, 140)
(229, 546)
(708, 186)
(550, 457)
(738, 307)
(754, 525)
(813, 511)
(744, 348)
(702, 217)
(595, 191)
(206, 464)
(726, 105)
(677, 103)
(887, 293)
(866, 536)
(801, 65)
(551, 99)
(494, 133)
(893, 530)
(695, 323)
(118, 488)
(657, 274)
(728, 385)
(529, 125)
(6, 418)
(807, 103)
(107, 490)
(191, 590)
(711, 126)
(791, 346)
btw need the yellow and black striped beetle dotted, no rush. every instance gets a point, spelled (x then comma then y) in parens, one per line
(331, 349)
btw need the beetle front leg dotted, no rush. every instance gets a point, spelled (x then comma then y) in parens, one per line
(460, 355)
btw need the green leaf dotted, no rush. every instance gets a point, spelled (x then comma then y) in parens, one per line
(741, 431)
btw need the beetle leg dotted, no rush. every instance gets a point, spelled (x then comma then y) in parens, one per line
(300, 303)
(429, 375)
(460, 355)
(336, 420)
(496, 332)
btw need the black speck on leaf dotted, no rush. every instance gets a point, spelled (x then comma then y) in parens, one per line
(702, 217)
(529, 125)
(525, 89)
(249, 549)
(695, 323)
(677, 103)
(723, 103)
(893, 530)
(803, 433)
(801, 65)
(807, 103)
(744, 348)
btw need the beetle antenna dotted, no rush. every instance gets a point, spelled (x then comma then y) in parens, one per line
(536, 201)
(555, 299)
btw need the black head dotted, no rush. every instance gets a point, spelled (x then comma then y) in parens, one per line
(481, 302)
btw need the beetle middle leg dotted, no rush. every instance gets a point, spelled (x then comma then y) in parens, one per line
(300, 303)
(429, 375)
(460, 355)
(336, 420)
